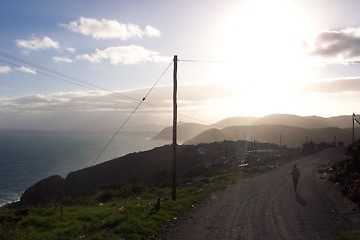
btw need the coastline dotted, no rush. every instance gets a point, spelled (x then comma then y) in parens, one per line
(29, 156)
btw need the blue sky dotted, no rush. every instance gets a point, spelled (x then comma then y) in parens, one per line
(253, 58)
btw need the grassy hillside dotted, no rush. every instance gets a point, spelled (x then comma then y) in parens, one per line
(128, 211)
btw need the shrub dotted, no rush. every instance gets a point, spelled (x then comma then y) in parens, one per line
(104, 196)
(347, 173)
(352, 188)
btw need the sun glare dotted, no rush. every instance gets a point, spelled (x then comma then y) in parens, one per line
(261, 44)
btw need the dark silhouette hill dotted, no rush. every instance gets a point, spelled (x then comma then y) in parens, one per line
(151, 168)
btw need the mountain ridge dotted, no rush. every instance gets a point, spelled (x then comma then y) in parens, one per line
(187, 131)
(289, 136)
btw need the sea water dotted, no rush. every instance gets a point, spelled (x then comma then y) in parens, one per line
(27, 157)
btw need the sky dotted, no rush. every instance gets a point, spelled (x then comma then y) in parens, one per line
(88, 64)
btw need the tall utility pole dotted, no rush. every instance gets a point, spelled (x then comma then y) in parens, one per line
(353, 129)
(174, 129)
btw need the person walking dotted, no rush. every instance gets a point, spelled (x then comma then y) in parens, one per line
(295, 173)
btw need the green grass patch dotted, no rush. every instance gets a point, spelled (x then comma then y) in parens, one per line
(348, 234)
(105, 215)
(126, 213)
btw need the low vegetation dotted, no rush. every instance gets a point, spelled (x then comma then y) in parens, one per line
(346, 173)
(126, 213)
(130, 211)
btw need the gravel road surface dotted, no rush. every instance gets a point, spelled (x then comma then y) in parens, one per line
(266, 207)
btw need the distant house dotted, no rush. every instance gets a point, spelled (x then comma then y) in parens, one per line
(201, 151)
(216, 162)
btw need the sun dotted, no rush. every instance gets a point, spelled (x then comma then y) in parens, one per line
(261, 45)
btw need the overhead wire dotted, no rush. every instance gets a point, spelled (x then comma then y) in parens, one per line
(200, 61)
(132, 113)
(77, 82)
(52, 76)
(203, 121)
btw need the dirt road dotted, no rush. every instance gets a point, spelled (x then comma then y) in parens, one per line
(266, 207)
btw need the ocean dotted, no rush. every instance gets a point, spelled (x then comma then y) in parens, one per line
(27, 157)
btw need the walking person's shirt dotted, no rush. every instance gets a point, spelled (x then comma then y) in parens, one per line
(295, 172)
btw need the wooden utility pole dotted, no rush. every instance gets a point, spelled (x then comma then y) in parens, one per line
(174, 129)
(353, 129)
(353, 132)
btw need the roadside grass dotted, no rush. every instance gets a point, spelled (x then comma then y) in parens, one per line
(126, 213)
(348, 234)
(123, 213)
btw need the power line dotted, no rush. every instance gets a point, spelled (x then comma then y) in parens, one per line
(128, 118)
(157, 80)
(200, 61)
(116, 133)
(63, 76)
(55, 77)
(203, 121)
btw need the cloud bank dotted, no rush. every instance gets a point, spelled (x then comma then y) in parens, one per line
(93, 110)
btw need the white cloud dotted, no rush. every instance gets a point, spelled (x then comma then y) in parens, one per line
(110, 29)
(152, 32)
(5, 69)
(131, 54)
(26, 70)
(72, 110)
(37, 43)
(70, 49)
(337, 46)
(58, 59)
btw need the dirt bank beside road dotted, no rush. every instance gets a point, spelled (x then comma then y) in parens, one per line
(266, 207)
